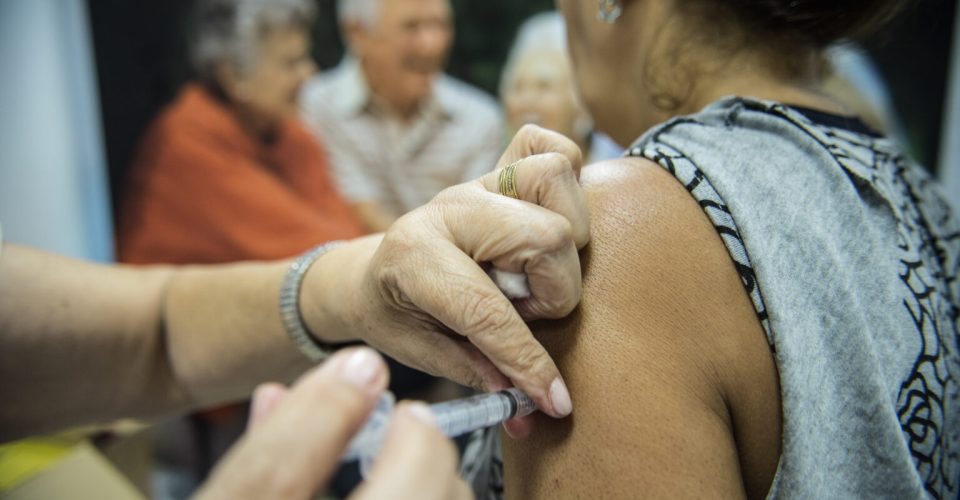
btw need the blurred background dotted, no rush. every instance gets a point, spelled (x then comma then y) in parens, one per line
(141, 61)
(93, 73)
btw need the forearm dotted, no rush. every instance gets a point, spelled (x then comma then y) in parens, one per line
(79, 342)
(223, 327)
(223, 332)
(83, 343)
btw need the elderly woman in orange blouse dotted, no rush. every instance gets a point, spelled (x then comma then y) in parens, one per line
(227, 172)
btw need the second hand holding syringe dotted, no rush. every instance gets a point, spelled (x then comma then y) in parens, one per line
(454, 418)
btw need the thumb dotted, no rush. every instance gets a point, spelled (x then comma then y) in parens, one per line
(306, 433)
(266, 398)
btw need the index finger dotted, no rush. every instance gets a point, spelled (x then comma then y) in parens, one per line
(489, 321)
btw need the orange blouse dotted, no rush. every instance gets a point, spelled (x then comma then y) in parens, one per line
(203, 190)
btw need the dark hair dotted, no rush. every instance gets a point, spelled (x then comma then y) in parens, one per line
(816, 22)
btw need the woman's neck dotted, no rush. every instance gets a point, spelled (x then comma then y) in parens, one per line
(806, 94)
(739, 80)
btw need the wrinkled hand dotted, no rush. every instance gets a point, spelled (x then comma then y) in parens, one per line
(430, 305)
(297, 436)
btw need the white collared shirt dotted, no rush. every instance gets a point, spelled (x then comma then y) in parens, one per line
(456, 135)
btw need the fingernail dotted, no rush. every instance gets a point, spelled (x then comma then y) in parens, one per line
(260, 401)
(421, 412)
(266, 397)
(360, 369)
(258, 405)
(560, 398)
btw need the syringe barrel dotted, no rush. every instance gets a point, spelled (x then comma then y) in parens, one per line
(454, 418)
(469, 414)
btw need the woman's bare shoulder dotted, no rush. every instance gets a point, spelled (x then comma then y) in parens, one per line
(662, 358)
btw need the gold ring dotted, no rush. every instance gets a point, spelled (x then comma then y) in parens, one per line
(508, 180)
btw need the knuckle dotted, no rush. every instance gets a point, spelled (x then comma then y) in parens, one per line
(528, 356)
(558, 165)
(470, 378)
(550, 172)
(399, 253)
(388, 262)
(529, 130)
(560, 307)
(452, 195)
(486, 314)
(555, 306)
(553, 233)
(562, 287)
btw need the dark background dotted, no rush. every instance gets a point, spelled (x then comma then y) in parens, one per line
(140, 49)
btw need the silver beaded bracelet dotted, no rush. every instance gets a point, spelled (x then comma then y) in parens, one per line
(293, 323)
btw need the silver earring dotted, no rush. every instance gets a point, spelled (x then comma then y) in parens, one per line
(609, 11)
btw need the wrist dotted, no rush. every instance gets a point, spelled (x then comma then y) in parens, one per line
(291, 312)
(331, 302)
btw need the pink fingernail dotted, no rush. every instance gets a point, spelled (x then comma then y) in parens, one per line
(560, 398)
(361, 368)
(259, 404)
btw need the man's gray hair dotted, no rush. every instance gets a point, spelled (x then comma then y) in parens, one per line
(543, 32)
(365, 12)
(231, 30)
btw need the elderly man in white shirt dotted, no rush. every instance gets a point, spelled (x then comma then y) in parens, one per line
(398, 130)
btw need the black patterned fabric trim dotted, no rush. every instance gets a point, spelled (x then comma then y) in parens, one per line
(694, 180)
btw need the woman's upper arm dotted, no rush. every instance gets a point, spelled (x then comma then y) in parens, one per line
(673, 384)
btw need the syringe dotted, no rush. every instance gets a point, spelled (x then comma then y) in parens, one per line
(461, 416)
(454, 418)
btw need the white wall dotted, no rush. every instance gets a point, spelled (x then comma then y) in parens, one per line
(53, 188)
(950, 143)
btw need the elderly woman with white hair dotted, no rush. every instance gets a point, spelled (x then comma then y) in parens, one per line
(537, 87)
(227, 172)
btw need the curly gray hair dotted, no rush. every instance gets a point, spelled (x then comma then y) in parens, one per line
(230, 30)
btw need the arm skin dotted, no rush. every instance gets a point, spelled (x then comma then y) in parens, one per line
(84, 343)
(675, 389)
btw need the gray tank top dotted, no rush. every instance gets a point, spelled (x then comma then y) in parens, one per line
(850, 257)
